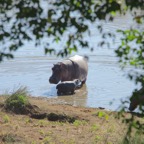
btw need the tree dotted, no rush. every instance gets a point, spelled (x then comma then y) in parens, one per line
(28, 21)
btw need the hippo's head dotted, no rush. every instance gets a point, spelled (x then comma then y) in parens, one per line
(57, 73)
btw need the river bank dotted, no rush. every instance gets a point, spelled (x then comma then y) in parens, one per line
(87, 125)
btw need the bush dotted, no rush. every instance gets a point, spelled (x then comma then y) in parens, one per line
(17, 101)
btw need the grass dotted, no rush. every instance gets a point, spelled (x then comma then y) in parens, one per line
(94, 127)
(137, 139)
(78, 123)
(9, 138)
(6, 119)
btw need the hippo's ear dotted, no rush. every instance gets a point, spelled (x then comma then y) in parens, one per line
(57, 65)
(54, 65)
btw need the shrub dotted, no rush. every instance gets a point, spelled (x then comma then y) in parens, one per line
(17, 101)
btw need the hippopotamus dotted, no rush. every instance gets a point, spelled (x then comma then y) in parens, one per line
(75, 67)
(136, 99)
(67, 87)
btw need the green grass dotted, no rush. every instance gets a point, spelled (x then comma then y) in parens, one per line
(78, 123)
(94, 127)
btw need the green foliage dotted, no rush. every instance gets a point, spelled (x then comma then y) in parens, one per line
(102, 114)
(130, 53)
(23, 21)
(17, 100)
(135, 127)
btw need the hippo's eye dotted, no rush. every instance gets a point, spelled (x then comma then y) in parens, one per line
(56, 69)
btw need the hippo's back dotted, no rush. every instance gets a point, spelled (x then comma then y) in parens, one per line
(81, 67)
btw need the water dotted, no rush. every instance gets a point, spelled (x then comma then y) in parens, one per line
(105, 83)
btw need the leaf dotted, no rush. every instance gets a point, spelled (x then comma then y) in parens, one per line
(49, 50)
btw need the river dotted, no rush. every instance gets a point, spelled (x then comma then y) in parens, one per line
(106, 82)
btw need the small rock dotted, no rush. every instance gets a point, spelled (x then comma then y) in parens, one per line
(40, 138)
